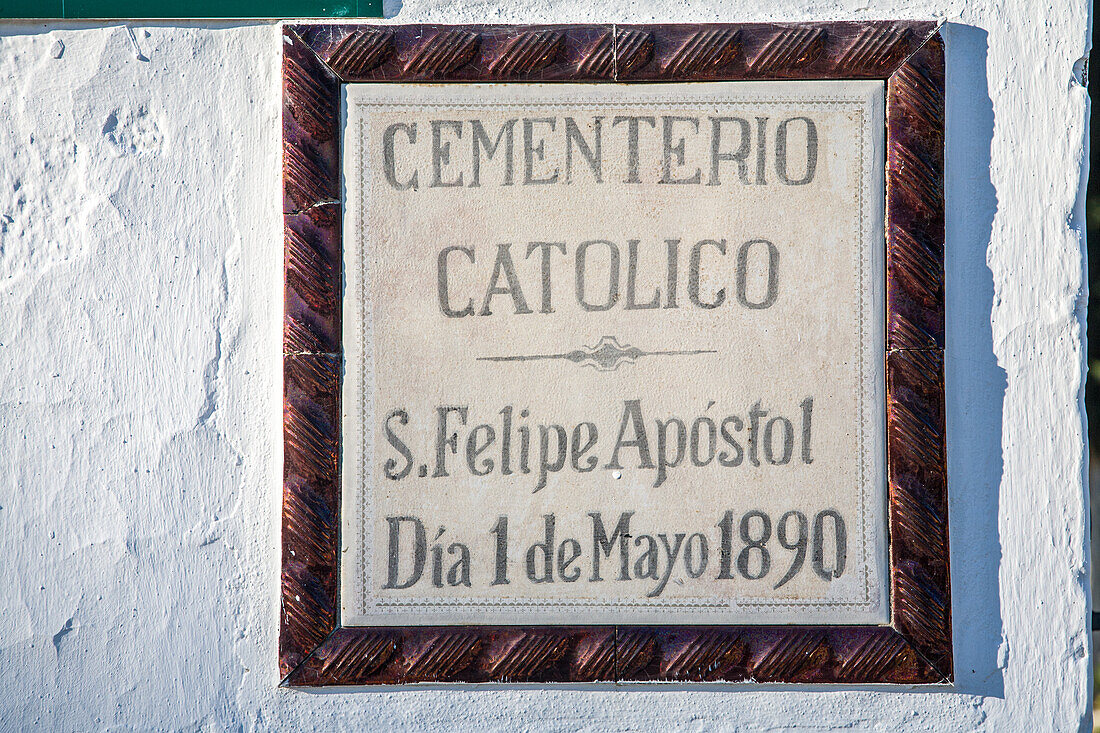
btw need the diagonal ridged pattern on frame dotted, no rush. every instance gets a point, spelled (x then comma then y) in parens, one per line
(300, 337)
(904, 332)
(795, 653)
(443, 53)
(310, 440)
(309, 271)
(875, 49)
(306, 179)
(446, 655)
(875, 657)
(634, 649)
(600, 59)
(361, 51)
(528, 52)
(356, 655)
(920, 608)
(916, 178)
(311, 103)
(917, 263)
(526, 656)
(310, 523)
(618, 55)
(308, 611)
(791, 48)
(919, 95)
(633, 50)
(912, 432)
(920, 370)
(705, 51)
(314, 374)
(595, 658)
(915, 201)
(916, 518)
(706, 655)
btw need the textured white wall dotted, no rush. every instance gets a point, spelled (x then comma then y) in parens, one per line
(140, 300)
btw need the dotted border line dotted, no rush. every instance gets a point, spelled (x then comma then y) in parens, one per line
(366, 531)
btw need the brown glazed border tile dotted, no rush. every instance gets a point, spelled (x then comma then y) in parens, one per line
(915, 648)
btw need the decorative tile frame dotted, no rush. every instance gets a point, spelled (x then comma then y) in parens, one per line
(314, 649)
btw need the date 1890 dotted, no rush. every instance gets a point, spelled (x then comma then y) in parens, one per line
(742, 548)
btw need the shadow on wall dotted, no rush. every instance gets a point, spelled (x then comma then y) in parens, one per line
(1092, 378)
(976, 384)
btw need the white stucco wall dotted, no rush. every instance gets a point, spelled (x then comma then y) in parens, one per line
(140, 445)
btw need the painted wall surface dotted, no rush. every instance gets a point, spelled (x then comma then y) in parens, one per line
(140, 305)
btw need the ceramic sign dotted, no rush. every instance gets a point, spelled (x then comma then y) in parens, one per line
(614, 354)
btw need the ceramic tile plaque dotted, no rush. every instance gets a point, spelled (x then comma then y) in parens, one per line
(614, 354)
(590, 379)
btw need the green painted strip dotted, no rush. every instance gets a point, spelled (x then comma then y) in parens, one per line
(31, 9)
(58, 9)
